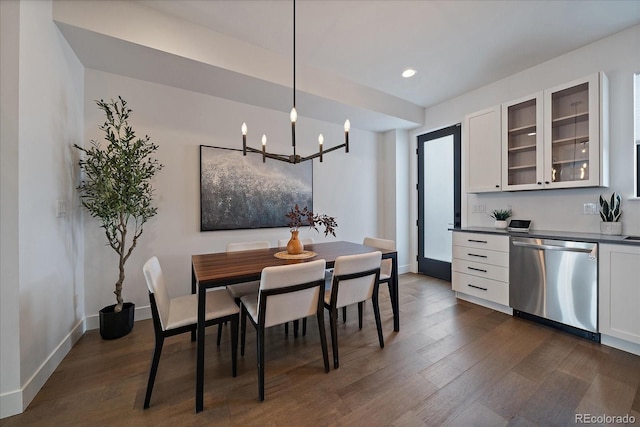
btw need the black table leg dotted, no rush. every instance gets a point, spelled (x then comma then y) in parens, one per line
(202, 295)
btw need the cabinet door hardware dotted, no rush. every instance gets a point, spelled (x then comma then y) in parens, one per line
(477, 269)
(476, 241)
(476, 255)
(476, 287)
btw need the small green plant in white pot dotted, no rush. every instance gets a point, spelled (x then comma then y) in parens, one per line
(610, 213)
(501, 216)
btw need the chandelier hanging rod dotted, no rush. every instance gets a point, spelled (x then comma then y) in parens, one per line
(294, 158)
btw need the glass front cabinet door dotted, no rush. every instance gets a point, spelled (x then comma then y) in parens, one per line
(576, 134)
(557, 138)
(522, 144)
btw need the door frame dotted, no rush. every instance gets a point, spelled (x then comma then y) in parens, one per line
(431, 267)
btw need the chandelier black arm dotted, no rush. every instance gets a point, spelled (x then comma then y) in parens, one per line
(290, 158)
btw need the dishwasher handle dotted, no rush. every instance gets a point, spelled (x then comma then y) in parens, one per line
(552, 247)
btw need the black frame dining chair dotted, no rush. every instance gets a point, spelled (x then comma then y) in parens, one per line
(287, 293)
(173, 316)
(355, 279)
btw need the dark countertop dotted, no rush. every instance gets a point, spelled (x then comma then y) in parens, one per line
(560, 235)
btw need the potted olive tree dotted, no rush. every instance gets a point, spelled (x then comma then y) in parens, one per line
(116, 189)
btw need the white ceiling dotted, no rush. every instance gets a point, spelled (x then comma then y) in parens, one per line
(456, 46)
(349, 53)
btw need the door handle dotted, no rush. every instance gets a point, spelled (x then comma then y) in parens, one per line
(551, 247)
(477, 269)
(476, 287)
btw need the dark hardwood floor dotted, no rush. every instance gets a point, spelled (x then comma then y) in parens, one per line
(452, 363)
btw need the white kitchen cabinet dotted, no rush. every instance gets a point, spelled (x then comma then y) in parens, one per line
(481, 151)
(480, 266)
(523, 143)
(557, 138)
(619, 292)
(576, 133)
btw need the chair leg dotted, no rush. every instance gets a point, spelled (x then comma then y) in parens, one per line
(219, 334)
(295, 328)
(154, 369)
(333, 320)
(323, 339)
(392, 295)
(243, 327)
(360, 307)
(376, 313)
(304, 327)
(260, 342)
(344, 314)
(286, 328)
(234, 345)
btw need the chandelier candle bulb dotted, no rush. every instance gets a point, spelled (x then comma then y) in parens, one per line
(347, 126)
(264, 147)
(320, 141)
(244, 139)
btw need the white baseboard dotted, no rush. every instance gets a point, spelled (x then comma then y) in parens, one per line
(16, 402)
(623, 345)
(489, 304)
(10, 404)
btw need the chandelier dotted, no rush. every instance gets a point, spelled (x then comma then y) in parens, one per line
(293, 158)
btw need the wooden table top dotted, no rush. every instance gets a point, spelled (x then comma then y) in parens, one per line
(223, 268)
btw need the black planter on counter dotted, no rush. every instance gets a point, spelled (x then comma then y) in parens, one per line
(115, 325)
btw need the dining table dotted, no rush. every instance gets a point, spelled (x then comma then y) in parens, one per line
(226, 268)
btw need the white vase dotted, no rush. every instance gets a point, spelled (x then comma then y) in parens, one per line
(612, 228)
(500, 224)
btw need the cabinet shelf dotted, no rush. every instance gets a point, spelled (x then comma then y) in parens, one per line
(566, 162)
(570, 119)
(521, 167)
(523, 129)
(577, 140)
(522, 148)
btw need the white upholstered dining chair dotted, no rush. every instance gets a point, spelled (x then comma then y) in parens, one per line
(239, 290)
(173, 316)
(355, 279)
(287, 293)
(386, 265)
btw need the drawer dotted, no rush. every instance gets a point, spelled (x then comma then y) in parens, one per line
(491, 290)
(484, 256)
(481, 270)
(481, 241)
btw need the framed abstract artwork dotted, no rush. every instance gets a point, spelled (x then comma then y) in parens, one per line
(238, 192)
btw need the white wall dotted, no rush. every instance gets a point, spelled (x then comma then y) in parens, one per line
(618, 57)
(179, 121)
(10, 396)
(49, 251)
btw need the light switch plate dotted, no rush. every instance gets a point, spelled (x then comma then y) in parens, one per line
(590, 209)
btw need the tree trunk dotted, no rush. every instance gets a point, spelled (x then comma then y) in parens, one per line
(118, 291)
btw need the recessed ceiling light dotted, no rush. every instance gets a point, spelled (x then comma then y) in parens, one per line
(409, 72)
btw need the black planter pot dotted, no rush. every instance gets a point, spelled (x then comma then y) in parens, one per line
(115, 325)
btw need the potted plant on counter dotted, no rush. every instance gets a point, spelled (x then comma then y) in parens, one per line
(501, 216)
(299, 218)
(116, 189)
(610, 213)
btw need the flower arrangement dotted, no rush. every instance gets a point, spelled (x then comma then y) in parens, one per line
(501, 214)
(300, 218)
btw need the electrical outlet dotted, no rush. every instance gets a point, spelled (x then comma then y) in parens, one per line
(478, 208)
(590, 209)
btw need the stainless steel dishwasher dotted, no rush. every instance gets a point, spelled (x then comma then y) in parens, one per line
(555, 282)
